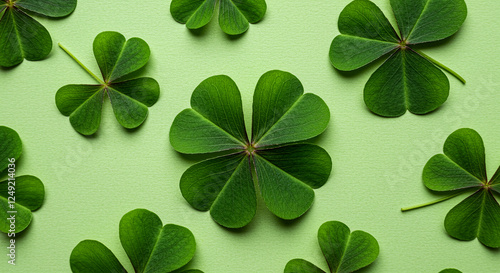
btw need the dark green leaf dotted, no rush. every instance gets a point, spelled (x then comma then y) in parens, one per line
(231, 20)
(442, 174)
(234, 15)
(308, 163)
(285, 196)
(193, 13)
(253, 11)
(51, 8)
(225, 186)
(118, 57)
(215, 122)
(83, 105)
(466, 148)
(218, 100)
(362, 18)
(406, 81)
(129, 112)
(281, 114)
(93, 256)
(462, 166)
(350, 52)
(275, 94)
(10, 146)
(153, 248)
(150, 247)
(130, 99)
(301, 266)
(22, 37)
(478, 216)
(344, 251)
(30, 191)
(143, 90)
(423, 21)
(191, 133)
(366, 35)
(29, 195)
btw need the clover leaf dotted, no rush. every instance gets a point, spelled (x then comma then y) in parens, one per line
(234, 15)
(130, 99)
(462, 167)
(408, 79)
(344, 251)
(150, 246)
(21, 36)
(19, 195)
(286, 171)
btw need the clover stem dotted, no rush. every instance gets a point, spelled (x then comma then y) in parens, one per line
(442, 66)
(431, 203)
(81, 64)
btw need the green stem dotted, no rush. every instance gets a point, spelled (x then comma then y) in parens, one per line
(431, 203)
(81, 64)
(442, 66)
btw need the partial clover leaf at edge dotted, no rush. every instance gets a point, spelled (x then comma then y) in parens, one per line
(234, 16)
(462, 168)
(150, 246)
(344, 251)
(28, 191)
(21, 36)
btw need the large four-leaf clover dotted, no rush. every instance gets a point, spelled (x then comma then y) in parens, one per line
(286, 171)
(344, 251)
(409, 79)
(462, 167)
(234, 15)
(150, 246)
(21, 36)
(19, 195)
(130, 99)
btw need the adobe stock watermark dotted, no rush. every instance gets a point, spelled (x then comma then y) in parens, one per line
(453, 120)
(11, 210)
(71, 160)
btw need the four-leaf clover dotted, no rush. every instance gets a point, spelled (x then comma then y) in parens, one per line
(19, 195)
(409, 79)
(130, 99)
(150, 246)
(462, 167)
(286, 171)
(234, 15)
(344, 251)
(21, 36)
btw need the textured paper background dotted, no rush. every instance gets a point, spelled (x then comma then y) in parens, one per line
(91, 182)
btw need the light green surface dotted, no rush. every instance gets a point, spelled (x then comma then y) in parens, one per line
(377, 162)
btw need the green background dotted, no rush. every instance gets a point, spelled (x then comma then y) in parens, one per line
(91, 182)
